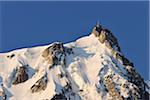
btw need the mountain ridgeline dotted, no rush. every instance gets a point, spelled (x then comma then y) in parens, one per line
(90, 68)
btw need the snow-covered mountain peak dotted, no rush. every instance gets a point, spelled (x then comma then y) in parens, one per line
(90, 68)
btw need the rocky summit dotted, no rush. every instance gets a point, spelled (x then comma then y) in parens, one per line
(91, 68)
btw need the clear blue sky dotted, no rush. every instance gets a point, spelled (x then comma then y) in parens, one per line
(26, 24)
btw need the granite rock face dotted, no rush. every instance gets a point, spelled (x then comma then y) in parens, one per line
(55, 54)
(21, 75)
(105, 36)
(134, 79)
(40, 85)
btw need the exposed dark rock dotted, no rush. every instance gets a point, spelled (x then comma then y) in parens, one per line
(146, 96)
(81, 90)
(104, 35)
(5, 94)
(138, 86)
(111, 89)
(124, 60)
(2, 95)
(40, 85)
(59, 97)
(11, 56)
(96, 31)
(68, 87)
(2, 91)
(21, 75)
(137, 80)
(133, 77)
(69, 50)
(55, 54)
(61, 75)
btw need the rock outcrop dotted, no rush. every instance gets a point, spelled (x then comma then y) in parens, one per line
(2, 91)
(105, 36)
(11, 56)
(40, 85)
(2, 94)
(21, 75)
(55, 54)
(111, 89)
(59, 97)
(134, 79)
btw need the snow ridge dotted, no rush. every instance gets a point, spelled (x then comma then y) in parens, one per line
(91, 68)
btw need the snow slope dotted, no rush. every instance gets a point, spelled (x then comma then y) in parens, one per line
(90, 72)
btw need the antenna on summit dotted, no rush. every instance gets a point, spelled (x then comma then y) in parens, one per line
(98, 24)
